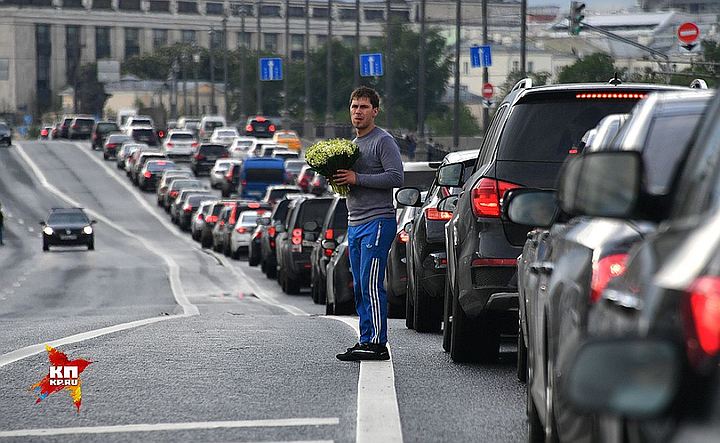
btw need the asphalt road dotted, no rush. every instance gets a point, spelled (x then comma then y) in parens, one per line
(254, 364)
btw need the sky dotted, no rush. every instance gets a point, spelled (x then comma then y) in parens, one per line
(592, 5)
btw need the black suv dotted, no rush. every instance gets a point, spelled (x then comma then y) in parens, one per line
(259, 127)
(68, 227)
(334, 227)
(534, 130)
(204, 158)
(81, 127)
(100, 133)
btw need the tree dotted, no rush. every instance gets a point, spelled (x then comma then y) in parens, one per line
(442, 123)
(596, 67)
(538, 79)
(91, 93)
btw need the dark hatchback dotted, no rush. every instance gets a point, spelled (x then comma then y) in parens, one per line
(203, 159)
(151, 173)
(100, 132)
(334, 226)
(534, 130)
(259, 127)
(650, 372)
(340, 288)
(268, 259)
(68, 227)
(145, 135)
(81, 127)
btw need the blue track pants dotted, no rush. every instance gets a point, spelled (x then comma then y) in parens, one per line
(368, 247)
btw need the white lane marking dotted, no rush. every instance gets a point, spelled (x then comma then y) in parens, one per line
(378, 414)
(173, 268)
(31, 229)
(16, 284)
(27, 351)
(22, 278)
(21, 221)
(154, 427)
(9, 214)
(237, 272)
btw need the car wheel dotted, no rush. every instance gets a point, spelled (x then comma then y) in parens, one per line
(205, 240)
(227, 250)
(427, 309)
(253, 256)
(409, 309)
(119, 166)
(292, 285)
(271, 271)
(329, 309)
(215, 246)
(522, 363)
(535, 430)
(347, 308)
(46, 246)
(91, 245)
(105, 156)
(447, 323)
(473, 340)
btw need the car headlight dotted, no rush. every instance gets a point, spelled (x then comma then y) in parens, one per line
(48, 230)
(87, 230)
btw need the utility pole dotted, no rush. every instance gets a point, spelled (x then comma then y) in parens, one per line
(196, 59)
(308, 127)
(258, 99)
(356, 59)
(523, 37)
(421, 78)
(329, 132)
(286, 84)
(388, 66)
(456, 97)
(486, 110)
(225, 68)
(243, 115)
(212, 71)
(184, 75)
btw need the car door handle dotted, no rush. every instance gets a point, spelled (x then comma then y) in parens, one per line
(542, 267)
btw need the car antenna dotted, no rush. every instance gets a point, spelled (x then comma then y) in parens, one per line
(615, 80)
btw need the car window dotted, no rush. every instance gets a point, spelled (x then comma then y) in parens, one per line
(294, 166)
(188, 137)
(264, 175)
(107, 127)
(339, 217)
(419, 179)
(313, 210)
(281, 210)
(84, 121)
(488, 147)
(249, 219)
(143, 133)
(212, 149)
(141, 122)
(155, 166)
(210, 126)
(226, 134)
(67, 217)
(118, 138)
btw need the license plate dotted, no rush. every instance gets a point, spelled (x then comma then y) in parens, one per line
(68, 237)
(260, 129)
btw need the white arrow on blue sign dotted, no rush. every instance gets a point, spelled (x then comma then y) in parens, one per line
(480, 56)
(271, 69)
(371, 65)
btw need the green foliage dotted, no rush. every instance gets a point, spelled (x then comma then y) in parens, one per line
(538, 79)
(91, 93)
(441, 123)
(596, 67)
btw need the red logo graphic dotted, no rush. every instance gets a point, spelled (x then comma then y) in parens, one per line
(63, 374)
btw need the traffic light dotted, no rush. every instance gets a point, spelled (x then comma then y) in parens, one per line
(576, 17)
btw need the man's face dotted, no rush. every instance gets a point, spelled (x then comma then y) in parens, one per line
(362, 114)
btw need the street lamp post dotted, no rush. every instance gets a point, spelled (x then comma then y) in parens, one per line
(196, 59)
(242, 62)
(184, 74)
(308, 127)
(258, 105)
(286, 84)
(225, 68)
(212, 71)
(329, 130)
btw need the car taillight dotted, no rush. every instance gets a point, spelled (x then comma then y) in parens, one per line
(605, 270)
(272, 244)
(170, 145)
(297, 236)
(112, 145)
(271, 128)
(606, 95)
(195, 144)
(74, 126)
(229, 175)
(493, 262)
(249, 128)
(211, 219)
(187, 208)
(173, 193)
(241, 230)
(702, 319)
(253, 205)
(147, 174)
(199, 216)
(329, 234)
(44, 132)
(403, 237)
(199, 157)
(434, 214)
(257, 234)
(487, 195)
(161, 134)
(272, 231)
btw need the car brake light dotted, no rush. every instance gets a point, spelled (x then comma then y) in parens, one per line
(45, 132)
(199, 157)
(434, 214)
(112, 145)
(271, 231)
(271, 128)
(403, 237)
(328, 252)
(605, 270)
(253, 205)
(74, 126)
(241, 230)
(147, 174)
(605, 95)
(200, 216)
(195, 144)
(211, 219)
(297, 236)
(272, 244)
(259, 119)
(329, 234)
(493, 262)
(702, 319)
(173, 193)
(187, 208)
(161, 134)
(257, 234)
(487, 196)
(249, 128)
(170, 145)
(229, 175)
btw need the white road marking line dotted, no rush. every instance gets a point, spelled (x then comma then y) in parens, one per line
(16, 285)
(22, 278)
(378, 414)
(154, 427)
(31, 229)
(21, 221)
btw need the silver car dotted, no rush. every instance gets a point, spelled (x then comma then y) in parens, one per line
(242, 232)
(198, 221)
(217, 173)
(179, 143)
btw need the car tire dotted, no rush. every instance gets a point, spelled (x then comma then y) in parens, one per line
(347, 308)
(253, 256)
(473, 340)
(426, 310)
(235, 254)
(205, 240)
(522, 363)
(329, 309)
(535, 430)
(292, 285)
(46, 246)
(447, 323)
(409, 309)
(272, 272)
(105, 156)
(91, 245)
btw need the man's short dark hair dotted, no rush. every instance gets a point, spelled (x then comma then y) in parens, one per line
(365, 92)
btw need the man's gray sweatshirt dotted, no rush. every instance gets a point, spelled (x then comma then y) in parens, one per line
(379, 169)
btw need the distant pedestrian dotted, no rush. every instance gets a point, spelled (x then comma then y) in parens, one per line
(412, 146)
(2, 223)
(371, 222)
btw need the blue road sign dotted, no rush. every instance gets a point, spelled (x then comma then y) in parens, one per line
(27, 119)
(480, 56)
(271, 69)
(371, 65)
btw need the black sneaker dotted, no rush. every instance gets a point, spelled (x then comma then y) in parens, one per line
(365, 351)
(355, 346)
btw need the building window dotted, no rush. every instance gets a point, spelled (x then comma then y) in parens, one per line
(321, 39)
(269, 11)
(243, 39)
(401, 16)
(348, 14)
(43, 42)
(320, 12)
(129, 5)
(531, 66)
(160, 38)
(297, 46)
(214, 9)
(296, 11)
(46, 3)
(159, 6)
(374, 15)
(516, 65)
(43, 47)
(348, 40)
(102, 42)
(465, 68)
(239, 9)
(188, 36)
(72, 50)
(187, 7)
(77, 4)
(216, 39)
(270, 42)
(102, 4)
(132, 42)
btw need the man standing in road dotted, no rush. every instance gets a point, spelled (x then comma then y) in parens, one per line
(371, 222)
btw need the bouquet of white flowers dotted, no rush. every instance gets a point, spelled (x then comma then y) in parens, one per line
(326, 157)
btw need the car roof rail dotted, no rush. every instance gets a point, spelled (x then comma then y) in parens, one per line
(699, 83)
(615, 80)
(522, 84)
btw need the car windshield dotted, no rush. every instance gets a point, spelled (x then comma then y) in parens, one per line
(419, 179)
(212, 125)
(212, 149)
(143, 133)
(265, 175)
(227, 134)
(294, 165)
(141, 122)
(118, 138)
(104, 128)
(185, 184)
(84, 121)
(277, 194)
(313, 210)
(161, 165)
(59, 218)
(249, 219)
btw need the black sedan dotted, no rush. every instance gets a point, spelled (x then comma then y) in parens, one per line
(68, 227)
(340, 298)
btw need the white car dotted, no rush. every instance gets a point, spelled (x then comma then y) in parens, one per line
(241, 147)
(208, 124)
(224, 136)
(268, 149)
(198, 220)
(139, 120)
(285, 154)
(217, 173)
(242, 231)
(179, 143)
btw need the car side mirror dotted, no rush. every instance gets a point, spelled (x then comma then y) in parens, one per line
(450, 175)
(448, 203)
(408, 227)
(634, 378)
(311, 226)
(92, 222)
(601, 184)
(408, 197)
(328, 244)
(531, 207)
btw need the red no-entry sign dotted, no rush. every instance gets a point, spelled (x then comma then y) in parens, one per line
(688, 33)
(488, 91)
